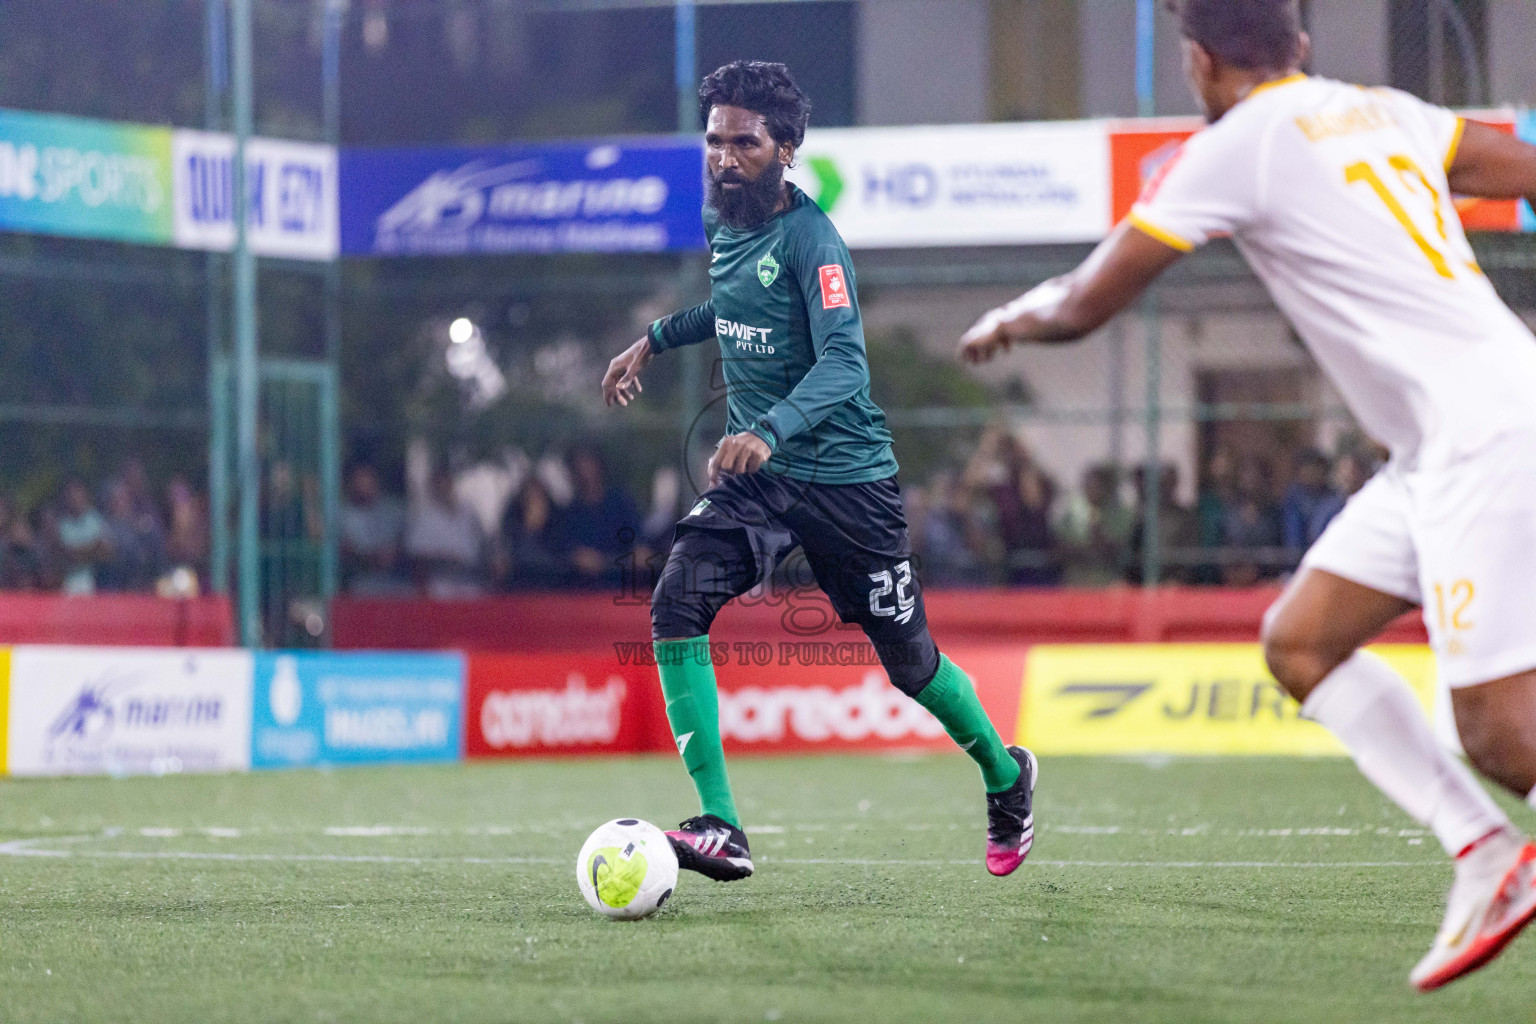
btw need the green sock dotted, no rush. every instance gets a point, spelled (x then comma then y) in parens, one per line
(953, 702)
(693, 709)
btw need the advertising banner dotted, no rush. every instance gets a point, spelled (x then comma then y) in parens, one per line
(92, 179)
(1002, 184)
(291, 189)
(1527, 130)
(1177, 699)
(541, 704)
(820, 695)
(105, 710)
(638, 195)
(321, 708)
(775, 697)
(5, 705)
(1139, 149)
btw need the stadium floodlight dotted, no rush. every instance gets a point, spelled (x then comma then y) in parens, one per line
(461, 330)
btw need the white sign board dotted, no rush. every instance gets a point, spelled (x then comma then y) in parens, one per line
(292, 188)
(1002, 184)
(111, 711)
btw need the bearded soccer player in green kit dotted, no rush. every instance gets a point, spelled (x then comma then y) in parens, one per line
(806, 462)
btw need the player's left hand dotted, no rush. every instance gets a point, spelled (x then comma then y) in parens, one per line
(738, 453)
(985, 339)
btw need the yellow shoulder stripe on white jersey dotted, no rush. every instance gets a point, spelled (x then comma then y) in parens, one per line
(1461, 128)
(1163, 235)
(1276, 83)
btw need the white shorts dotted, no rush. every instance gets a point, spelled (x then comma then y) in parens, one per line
(1461, 542)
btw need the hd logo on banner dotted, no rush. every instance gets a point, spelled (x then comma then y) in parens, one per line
(313, 708)
(1006, 184)
(117, 711)
(1176, 699)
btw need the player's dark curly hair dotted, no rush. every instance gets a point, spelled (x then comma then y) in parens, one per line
(763, 88)
(1255, 35)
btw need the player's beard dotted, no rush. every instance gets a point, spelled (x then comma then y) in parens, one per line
(746, 207)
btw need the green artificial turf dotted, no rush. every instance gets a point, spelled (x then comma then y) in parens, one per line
(1179, 891)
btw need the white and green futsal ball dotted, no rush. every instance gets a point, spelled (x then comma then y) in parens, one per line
(627, 869)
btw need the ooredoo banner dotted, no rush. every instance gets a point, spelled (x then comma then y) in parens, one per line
(791, 696)
(356, 708)
(834, 696)
(1177, 699)
(105, 710)
(1001, 184)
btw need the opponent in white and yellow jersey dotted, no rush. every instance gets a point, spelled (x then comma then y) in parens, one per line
(1340, 199)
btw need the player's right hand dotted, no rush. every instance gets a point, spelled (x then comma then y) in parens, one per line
(985, 339)
(622, 381)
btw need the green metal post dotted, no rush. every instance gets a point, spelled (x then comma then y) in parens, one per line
(216, 85)
(1152, 487)
(246, 382)
(693, 281)
(330, 422)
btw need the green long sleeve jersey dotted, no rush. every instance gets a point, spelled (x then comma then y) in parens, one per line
(784, 307)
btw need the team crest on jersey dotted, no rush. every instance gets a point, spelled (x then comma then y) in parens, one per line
(767, 270)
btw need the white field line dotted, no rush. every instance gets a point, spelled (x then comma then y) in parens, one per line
(28, 848)
(416, 831)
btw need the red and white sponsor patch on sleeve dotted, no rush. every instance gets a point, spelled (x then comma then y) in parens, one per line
(834, 288)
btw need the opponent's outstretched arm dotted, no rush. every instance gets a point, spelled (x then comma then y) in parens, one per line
(1069, 307)
(1490, 164)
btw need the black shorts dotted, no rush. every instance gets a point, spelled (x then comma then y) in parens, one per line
(854, 537)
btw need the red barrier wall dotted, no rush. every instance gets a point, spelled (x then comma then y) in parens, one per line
(588, 622)
(135, 620)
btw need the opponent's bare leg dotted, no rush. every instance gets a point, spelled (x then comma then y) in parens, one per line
(1497, 723)
(1318, 623)
(1311, 641)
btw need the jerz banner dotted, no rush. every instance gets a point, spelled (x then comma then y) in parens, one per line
(634, 195)
(1000, 184)
(1177, 699)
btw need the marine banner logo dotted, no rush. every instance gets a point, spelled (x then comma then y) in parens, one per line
(1176, 699)
(103, 710)
(638, 195)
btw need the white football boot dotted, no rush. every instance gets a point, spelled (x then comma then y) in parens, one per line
(1492, 899)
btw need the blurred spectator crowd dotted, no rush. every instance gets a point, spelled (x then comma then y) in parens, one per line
(123, 536)
(562, 522)
(1004, 521)
(998, 521)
